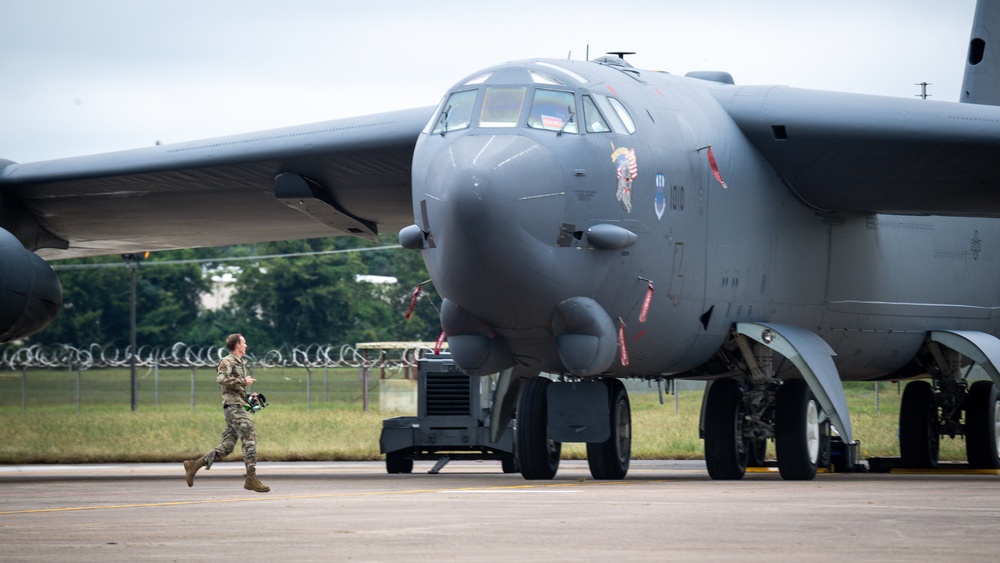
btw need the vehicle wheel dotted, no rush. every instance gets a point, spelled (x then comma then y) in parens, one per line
(825, 445)
(919, 438)
(757, 453)
(396, 462)
(610, 459)
(982, 426)
(537, 455)
(796, 431)
(726, 451)
(508, 461)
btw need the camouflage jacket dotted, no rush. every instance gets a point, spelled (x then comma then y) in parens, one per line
(232, 373)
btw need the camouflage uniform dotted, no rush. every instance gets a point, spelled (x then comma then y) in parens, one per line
(231, 376)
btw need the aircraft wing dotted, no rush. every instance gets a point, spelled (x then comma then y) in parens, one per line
(850, 152)
(343, 177)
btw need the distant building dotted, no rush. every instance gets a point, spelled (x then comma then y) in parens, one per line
(223, 287)
(376, 279)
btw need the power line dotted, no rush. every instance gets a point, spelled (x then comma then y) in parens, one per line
(65, 267)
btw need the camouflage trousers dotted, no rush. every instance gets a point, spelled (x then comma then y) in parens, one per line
(238, 425)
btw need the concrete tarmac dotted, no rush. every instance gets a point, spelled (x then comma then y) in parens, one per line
(471, 511)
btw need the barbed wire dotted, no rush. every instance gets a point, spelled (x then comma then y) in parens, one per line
(181, 355)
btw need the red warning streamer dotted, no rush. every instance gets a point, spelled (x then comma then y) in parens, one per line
(715, 167)
(621, 342)
(645, 303)
(413, 300)
(439, 343)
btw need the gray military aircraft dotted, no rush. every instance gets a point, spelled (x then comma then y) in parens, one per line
(596, 221)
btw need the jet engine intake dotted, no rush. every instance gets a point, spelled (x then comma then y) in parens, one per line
(30, 293)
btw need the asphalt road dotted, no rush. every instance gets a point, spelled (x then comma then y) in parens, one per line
(471, 511)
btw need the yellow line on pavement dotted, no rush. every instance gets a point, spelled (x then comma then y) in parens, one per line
(944, 471)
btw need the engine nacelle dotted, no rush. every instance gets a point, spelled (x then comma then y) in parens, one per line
(30, 292)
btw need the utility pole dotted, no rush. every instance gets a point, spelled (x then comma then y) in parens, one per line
(923, 89)
(132, 263)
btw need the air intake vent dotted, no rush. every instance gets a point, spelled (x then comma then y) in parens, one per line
(448, 394)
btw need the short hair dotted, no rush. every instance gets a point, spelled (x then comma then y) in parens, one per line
(232, 340)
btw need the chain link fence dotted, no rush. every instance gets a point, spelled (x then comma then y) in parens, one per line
(183, 374)
(95, 375)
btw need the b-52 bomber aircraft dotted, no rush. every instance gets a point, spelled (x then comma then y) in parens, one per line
(596, 221)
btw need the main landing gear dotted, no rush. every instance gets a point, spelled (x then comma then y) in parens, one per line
(741, 414)
(736, 433)
(948, 406)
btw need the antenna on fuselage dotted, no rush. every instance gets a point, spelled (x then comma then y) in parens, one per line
(621, 54)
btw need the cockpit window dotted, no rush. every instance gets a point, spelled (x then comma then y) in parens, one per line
(623, 114)
(593, 118)
(479, 79)
(554, 110)
(457, 112)
(611, 115)
(539, 78)
(502, 106)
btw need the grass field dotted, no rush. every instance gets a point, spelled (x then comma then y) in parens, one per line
(312, 416)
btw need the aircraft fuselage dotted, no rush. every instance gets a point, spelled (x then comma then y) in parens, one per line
(521, 211)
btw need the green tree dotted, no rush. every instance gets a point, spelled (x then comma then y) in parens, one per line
(305, 299)
(296, 300)
(96, 301)
(290, 300)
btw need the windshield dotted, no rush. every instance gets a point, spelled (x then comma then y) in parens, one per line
(548, 108)
(502, 106)
(457, 112)
(554, 110)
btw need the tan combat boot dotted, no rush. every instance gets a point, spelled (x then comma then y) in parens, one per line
(191, 467)
(252, 484)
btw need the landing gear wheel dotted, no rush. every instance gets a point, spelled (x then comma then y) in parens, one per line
(796, 431)
(508, 462)
(919, 438)
(726, 450)
(395, 462)
(610, 459)
(537, 455)
(982, 426)
(757, 453)
(825, 445)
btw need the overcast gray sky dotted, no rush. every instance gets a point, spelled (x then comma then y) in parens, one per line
(88, 76)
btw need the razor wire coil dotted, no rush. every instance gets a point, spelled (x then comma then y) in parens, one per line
(181, 355)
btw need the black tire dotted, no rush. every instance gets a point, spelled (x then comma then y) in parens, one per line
(536, 454)
(825, 445)
(797, 437)
(508, 462)
(396, 462)
(726, 451)
(610, 459)
(982, 426)
(919, 437)
(757, 453)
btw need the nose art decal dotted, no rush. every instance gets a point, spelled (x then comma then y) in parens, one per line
(628, 170)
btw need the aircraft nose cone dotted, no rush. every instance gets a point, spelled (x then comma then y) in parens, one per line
(493, 206)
